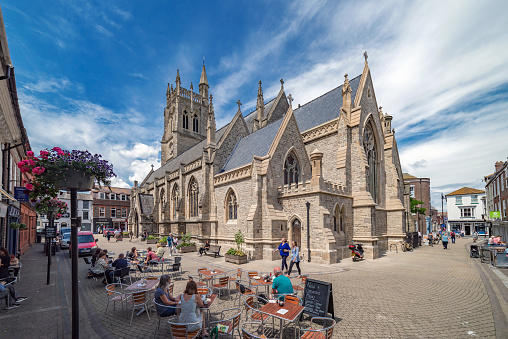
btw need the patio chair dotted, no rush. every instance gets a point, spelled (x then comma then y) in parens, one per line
(96, 276)
(181, 330)
(121, 274)
(301, 286)
(204, 278)
(324, 333)
(253, 304)
(114, 296)
(231, 319)
(178, 260)
(222, 285)
(139, 300)
(199, 281)
(249, 328)
(243, 285)
(141, 270)
(204, 291)
(292, 299)
(232, 276)
(164, 307)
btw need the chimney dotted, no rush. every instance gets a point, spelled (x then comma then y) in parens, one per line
(499, 165)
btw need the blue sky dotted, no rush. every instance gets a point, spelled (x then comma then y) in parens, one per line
(94, 75)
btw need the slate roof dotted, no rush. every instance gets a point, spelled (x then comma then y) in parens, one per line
(146, 203)
(312, 114)
(466, 191)
(249, 118)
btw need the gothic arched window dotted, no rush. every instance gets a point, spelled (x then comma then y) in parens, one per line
(185, 120)
(193, 198)
(369, 146)
(162, 203)
(174, 201)
(231, 205)
(338, 219)
(195, 123)
(291, 170)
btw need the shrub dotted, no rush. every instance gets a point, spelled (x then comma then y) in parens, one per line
(163, 240)
(150, 237)
(14, 225)
(22, 225)
(234, 251)
(239, 239)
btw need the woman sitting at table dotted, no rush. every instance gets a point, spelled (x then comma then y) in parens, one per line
(101, 266)
(133, 254)
(163, 297)
(150, 256)
(160, 250)
(190, 308)
(95, 256)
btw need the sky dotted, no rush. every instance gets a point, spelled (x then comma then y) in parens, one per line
(93, 75)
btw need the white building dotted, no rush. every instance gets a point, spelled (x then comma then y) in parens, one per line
(85, 211)
(466, 210)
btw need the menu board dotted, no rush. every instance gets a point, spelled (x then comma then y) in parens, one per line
(317, 298)
(50, 232)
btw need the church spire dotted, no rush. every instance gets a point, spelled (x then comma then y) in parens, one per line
(203, 83)
(260, 105)
(346, 97)
(178, 81)
(210, 127)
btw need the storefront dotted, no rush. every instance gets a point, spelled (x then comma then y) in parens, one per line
(12, 234)
(120, 223)
(468, 227)
(101, 223)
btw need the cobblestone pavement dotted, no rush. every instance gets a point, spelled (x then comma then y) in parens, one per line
(428, 293)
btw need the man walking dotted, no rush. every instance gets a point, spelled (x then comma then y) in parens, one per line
(284, 253)
(453, 237)
(431, 239)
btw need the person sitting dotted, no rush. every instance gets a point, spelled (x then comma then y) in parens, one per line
(14, 265)
(150, 256)
(133, 254)
(163, 297)
(160, 251)
(118, 264)
(5, 262)
(204, 249)
(101, 266)
(95, 256)
(496, 240)
(190, 308)
(281, 284)
(12, 298)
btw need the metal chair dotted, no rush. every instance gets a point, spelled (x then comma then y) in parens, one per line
(324, 333)
(292, 299)
(199, 282)
(115, 296)
(121, 274)
(165, 307)
(300, 286)
(139, 300)
(181, 330)
(204, 291)
(246, 289)
(222, 285)
(231, 320)
(252, 304)
(248, 329)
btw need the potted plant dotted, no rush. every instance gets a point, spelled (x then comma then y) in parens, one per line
(46, 204)
(56, 169)
(186, 245)
(236, 255)
(163, 241)
(151, 240)
(22, 226)
(14, 225)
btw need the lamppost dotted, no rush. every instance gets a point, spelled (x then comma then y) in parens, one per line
(308, 230)
(442, 210)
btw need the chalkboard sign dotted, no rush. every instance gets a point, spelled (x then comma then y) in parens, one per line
(317, 298)
(50, 231)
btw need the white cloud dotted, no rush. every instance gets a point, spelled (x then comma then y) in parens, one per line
(140, 151)
(118, 182)
(47, 85)
(142, 167)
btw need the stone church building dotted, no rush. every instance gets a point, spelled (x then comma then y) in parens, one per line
(336, 154)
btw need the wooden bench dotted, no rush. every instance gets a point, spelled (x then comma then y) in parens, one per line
(213, 249)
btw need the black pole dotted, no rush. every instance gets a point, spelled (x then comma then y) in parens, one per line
(48, 248)
(442, 210)
(74, 264)
(308, 230)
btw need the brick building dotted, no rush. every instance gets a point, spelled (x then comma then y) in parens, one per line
(111, 207)
(496, 188)
(257, 174)
(420, 190)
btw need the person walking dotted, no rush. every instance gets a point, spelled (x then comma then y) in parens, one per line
(431, 239)
(439, 236)
(170, 244)
(131, 234)
(284, 253)
(444, 239)
(108, 234)
(295, 259)
(453, 237)
(475, 236)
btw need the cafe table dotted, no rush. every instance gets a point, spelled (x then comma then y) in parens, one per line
(261, 282)
(138, 286)
(211, 273)
(206, 309)
(289, 312)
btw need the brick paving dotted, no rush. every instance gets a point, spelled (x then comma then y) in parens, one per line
(428, 293)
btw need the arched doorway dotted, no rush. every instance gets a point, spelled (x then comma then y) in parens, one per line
(296, 231)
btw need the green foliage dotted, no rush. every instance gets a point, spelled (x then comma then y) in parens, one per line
(22, 225)
(150, 237)
(186, 239)
(414, 206)
(163, 240)
(239, 239)
(234, 251)
(14, 225)
(126, 234)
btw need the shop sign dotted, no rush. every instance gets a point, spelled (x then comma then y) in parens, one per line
(19, 194)
(495, 214)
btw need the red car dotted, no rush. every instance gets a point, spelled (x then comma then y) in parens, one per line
(111, 231)
(86, 243)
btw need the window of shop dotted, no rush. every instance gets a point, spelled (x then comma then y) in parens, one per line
(467, 212)
(474, 199)
(85, 215)
(124, 213)
(113, 212)
(86, 204)
(458, 200)
(102, 211)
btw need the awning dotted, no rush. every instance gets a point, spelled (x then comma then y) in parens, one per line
(7, 195)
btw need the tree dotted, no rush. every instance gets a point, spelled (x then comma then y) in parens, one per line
(415, 208)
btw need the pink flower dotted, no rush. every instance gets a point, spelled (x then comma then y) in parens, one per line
(56, 149)
(21, 163)
(31, 162)
(58, 216)
(29, 186)
(30, 154)
(44, 154)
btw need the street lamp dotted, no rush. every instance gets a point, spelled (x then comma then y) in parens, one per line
(308, 230)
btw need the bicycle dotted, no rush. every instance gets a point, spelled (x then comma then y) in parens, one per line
(406, 246)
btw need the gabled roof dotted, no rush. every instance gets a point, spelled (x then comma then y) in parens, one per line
(316, 112)
(249, 118)
(466, 191)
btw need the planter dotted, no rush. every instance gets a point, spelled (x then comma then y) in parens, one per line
(187, 249)
(53, 209)
(78, 180)
(151, 241)
(236, 259)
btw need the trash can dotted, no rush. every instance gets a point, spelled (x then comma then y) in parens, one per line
(38, 238)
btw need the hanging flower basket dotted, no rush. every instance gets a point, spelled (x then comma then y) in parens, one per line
(58, 169)
(22, 226)
(14, 225)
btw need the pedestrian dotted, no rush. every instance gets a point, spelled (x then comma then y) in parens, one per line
(131, 234)
(295, 259)
(175, 244)
(453, 237)
(117, 234)
(12, 298)
(5, 262)
(475, 236)
(438, 236)
(108, 235)
(284, 253)
(170, 243)
(444, 239)
(431, 239)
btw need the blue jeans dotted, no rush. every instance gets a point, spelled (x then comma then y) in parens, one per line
(453, 240)
(445, 244)
(168, 312)
(284, 263)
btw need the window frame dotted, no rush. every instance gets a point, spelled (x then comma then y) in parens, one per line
(111, 210)
(102, 212)
(231, 206)
(292, 170)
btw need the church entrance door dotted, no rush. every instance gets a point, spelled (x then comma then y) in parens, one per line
(296, 232)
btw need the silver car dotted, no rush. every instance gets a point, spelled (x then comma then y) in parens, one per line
(66, 237)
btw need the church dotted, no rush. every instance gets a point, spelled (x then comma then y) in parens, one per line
(324, 174)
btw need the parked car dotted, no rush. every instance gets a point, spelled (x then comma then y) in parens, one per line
(86, 243)
(110, 230)
(65, 239)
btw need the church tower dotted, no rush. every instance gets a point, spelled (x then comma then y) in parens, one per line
(185, 117)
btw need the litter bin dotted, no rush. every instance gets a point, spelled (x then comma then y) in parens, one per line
(38, 239)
